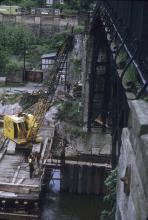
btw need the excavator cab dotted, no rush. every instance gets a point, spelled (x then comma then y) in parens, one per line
(18, 127)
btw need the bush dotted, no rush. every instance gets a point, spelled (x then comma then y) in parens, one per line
(79, 29)
(110, 198)
(13, 65)
(131, 77)
(121, 60)
(69, 111)
(76, 65)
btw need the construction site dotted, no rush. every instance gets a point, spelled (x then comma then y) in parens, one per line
(35, 141)
(74, 112)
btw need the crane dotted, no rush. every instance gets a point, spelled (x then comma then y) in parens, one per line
(23, 128)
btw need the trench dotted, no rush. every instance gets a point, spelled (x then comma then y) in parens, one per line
(69, 206)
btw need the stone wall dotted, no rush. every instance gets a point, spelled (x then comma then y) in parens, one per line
(132, 191)
(42, 26)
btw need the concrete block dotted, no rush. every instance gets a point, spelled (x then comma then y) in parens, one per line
(37, 20)
(138, 119)
(2, 81)
(18, 19)
(1, 17)
(11, 147)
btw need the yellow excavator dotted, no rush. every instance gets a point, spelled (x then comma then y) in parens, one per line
(23, 128)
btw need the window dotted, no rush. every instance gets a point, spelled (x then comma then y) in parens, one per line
(49, 2)
(62, 2)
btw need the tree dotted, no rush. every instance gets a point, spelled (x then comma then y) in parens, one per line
(79, 4)
(30, 3)
(23, 3)
(13, 41)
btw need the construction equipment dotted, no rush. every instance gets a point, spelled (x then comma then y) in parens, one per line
(23, 128)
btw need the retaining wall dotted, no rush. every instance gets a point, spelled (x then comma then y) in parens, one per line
(132, 191)
(42, 26)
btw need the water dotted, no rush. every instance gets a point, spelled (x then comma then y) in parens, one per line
(62, 206)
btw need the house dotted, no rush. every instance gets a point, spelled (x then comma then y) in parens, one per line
(47, 62)
(51, 2)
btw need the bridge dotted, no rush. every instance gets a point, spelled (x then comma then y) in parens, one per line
(116, 85)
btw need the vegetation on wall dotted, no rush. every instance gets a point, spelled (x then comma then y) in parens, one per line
(110, 197)
(76, 65)
(79, 29)
(121, 59)
(130, 78)
(70, 112)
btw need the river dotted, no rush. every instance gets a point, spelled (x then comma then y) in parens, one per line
(62, 206)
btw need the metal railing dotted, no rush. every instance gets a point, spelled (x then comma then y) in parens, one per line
(115, 28)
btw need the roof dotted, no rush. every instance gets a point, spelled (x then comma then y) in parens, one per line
(15, 118)
(49, 55)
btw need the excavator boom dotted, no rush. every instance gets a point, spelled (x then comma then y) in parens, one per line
(23, 128)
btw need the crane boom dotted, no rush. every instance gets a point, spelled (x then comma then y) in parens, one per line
(45, 102)
(23, 128)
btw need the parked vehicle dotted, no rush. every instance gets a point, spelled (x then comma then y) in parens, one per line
(12, 9)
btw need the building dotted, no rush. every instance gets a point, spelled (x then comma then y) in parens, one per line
(51, 2)
(47, 61)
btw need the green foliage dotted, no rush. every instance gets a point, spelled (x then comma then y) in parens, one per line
(75, 132)
(131, 74)
(30, 3)
(13, 65)
(132, 77)
(70, 111)
(27, 100)
(12, 99)
(14, 40)
(58, 6)
(110, 198)
(58, 39)
(67, 11)
(3, 60)
(146, 98)
(79, 29)
(79, 4)
(121, 59)
(23, 3)
(76, 65)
